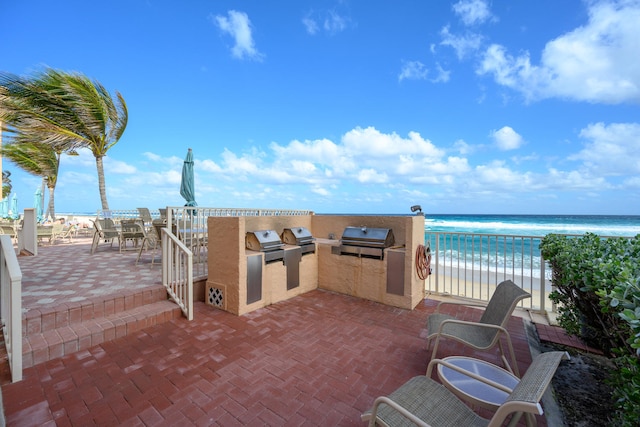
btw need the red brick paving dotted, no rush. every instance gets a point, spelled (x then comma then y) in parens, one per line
(558, 335)
(318, 359)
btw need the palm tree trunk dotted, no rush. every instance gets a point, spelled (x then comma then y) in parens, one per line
(51, 208)
(101, 184)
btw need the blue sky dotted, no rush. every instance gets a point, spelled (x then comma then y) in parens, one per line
(356, 106)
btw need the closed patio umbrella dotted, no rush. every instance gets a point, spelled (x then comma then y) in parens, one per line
(187, 186)
(4, 208)
(14, 207)
(37, 204)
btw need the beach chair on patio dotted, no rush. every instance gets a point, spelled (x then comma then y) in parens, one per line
(424, 402)
(485, 333)
(56, 231)
(9, 228)
(150, 241)
(131, 230)
(146, 217)
(104, 231)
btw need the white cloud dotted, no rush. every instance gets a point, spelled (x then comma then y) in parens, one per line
(507, 139)
(380, 145)
(574, 180)
(611, 149)
(473, 12)
(462, 147)
(310, 25)
(497, 175)
(443, 76)
(119, 167)
(463, 45)
(416, 70)
(334, 23)
(596, 62)
(321, 191)
(238, 26)
(322, 151)
(208, 165)
(371, 176)
(413, 70)
(240, 165)
(330, 21)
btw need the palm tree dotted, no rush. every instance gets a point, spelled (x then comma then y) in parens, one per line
(65, 111)
(6, 182)
(38, 159)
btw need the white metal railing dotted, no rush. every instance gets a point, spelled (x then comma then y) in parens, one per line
(177, 271)
(11, 305)
(470, 265)
(119, 214)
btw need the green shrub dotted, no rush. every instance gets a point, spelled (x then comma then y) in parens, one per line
(597, 287)
(583, 268)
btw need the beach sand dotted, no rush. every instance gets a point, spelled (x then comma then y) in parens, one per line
(473, 285)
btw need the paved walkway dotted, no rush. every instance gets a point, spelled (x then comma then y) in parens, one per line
(317, 359)
(67, 273)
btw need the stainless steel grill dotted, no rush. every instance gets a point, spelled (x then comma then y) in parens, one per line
(267, 242)
(299, 236)
(366, 241)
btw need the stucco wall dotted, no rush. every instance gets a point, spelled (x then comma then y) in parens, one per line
(325, 269)
(366, 277)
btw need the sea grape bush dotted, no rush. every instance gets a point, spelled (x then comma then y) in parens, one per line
(583, 268)
(597, 289)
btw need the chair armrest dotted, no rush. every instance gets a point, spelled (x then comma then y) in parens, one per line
(459, 303)
(467, 373)
(470, 323)
(394, 405)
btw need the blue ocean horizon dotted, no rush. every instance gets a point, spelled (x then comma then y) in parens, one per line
(534, 225)
(492, 237)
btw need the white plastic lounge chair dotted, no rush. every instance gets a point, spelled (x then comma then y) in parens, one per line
(424, 402)
(485, 333)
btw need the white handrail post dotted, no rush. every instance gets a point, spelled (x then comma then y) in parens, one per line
(11, 308)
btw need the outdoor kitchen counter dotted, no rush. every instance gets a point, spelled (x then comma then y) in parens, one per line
(332, 242)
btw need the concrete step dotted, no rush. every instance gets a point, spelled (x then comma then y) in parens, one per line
(39, 347)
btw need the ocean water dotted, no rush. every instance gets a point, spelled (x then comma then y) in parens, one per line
(535, 225)
(494, 243)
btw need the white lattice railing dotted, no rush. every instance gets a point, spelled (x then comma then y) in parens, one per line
(11, 305)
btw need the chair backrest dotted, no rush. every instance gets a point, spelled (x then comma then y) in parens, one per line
(57, 227)
(107, 224)
(145, 215)
(527, 394)
(502, 303)
(106, 227)
(131, 225)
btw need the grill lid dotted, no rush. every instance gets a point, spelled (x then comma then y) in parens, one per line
(368, 237)
(263, 240)
(297, 236)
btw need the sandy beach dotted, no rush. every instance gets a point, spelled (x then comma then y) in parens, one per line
(473, 285)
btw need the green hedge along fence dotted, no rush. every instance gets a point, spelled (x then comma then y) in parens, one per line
(597, 289)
